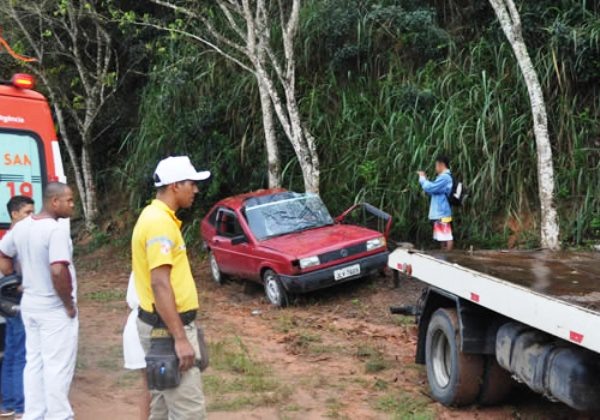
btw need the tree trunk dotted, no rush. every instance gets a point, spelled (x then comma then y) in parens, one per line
(274, 79)
(510, 21)
(273, 161)
(306, 150)
(64, 135)
(89, 202)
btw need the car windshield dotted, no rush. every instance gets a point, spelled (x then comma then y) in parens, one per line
(286, 213)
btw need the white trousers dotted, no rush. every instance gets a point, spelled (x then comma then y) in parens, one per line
(51, 346)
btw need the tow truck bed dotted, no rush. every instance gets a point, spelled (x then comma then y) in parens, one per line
(558, 293)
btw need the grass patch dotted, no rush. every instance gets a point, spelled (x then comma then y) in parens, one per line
(404, 407)
(287, 323)
(113, 358)
(239, 381)
(373, 358)
(376, 364)
(129, 379)
(305, 339)
(403, 320)
(380, 384)
(110, 295)
(305, 342)
(239, 402)
(334, 408)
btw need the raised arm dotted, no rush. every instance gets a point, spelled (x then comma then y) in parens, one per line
(437, 186)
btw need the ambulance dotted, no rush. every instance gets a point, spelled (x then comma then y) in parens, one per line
(29, 152)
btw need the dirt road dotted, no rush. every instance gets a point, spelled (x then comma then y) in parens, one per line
(334, 354)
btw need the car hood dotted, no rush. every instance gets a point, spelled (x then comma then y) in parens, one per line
(317, 241)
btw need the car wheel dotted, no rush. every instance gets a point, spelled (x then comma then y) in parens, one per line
(215, 271)
(454, 377)
(276, 294)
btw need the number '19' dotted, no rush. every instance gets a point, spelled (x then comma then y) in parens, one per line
(25, 189)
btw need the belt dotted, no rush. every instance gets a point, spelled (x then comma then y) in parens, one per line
(152, 318)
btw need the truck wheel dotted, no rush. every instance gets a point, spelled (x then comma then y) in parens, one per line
(276, 294)
(496, 384)
(454, 377)
(215, 271)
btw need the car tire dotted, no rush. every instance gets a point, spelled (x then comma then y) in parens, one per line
(454, 377)
(215, 272)
(274, 291)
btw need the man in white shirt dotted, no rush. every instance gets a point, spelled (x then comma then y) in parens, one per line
(48, 306)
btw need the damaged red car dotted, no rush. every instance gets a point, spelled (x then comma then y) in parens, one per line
(289, 242)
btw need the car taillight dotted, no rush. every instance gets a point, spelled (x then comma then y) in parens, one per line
(23, 81)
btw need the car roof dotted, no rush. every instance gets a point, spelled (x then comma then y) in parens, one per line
(237, 201)
(9, 90)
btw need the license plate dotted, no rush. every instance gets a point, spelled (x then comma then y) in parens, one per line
(345, 272)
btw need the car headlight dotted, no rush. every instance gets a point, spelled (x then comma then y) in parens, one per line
(375, 243)
(309, 262)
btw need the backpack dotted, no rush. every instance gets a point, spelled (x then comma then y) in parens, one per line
(457, 195)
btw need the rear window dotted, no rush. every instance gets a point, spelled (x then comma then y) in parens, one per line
(20, 169)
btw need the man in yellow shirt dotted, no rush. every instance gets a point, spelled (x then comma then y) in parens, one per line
(165, 286)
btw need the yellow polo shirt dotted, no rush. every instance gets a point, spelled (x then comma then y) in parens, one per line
(157, 241)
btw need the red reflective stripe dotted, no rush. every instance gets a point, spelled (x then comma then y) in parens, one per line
(474, 297)
(576, 337)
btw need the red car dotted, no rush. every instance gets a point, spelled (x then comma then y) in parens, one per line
(290, 243)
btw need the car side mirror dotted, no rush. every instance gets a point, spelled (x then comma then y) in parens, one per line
(239, 239)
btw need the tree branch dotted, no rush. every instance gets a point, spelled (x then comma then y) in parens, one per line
(199, 39)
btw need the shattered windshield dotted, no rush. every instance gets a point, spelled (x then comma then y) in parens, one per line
(292, 213)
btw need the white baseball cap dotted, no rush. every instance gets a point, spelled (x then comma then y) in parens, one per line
(175, 169)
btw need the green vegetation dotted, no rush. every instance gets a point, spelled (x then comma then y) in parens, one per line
(111, 295)
(334, 408)
(403, 320)
(373, 358)
(239, 381)
(404, 407)
(385, 86)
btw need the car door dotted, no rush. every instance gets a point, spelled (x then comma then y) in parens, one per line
(230, 244)
(369, 216)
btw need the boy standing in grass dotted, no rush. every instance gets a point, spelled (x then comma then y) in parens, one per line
(440, 212)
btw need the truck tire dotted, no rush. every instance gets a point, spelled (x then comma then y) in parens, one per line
(215, 272)
(496, 383)
(274, 291)
(454, 377)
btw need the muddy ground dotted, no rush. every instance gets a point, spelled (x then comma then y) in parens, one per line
(333, 354)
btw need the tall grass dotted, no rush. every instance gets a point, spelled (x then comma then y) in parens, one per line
(380, 113)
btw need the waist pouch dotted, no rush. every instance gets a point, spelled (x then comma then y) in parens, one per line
(152, 318)
(162, 363)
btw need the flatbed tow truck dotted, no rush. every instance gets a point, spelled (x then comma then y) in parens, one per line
(487, 318)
